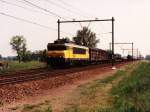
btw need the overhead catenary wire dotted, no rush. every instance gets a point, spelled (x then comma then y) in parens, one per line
(60, 6)
(9, 3)
(89, 25)
(70, 10)
(73, 7)
(30, 3)
(56, 15)
(31, 22)
(64, 8)
(85, 13)
(57, 5)
(27, 21)
(44, 9)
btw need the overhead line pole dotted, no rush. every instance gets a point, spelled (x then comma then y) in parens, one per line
(123, 43)
(112, 41)
(58, 29)
(137, 51)
(96, 20)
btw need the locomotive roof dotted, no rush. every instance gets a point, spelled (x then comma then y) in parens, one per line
(75, 45)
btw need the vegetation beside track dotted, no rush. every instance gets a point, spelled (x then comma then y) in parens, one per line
(40, 107)
(15, 66)
(133, 93)
(128, 90)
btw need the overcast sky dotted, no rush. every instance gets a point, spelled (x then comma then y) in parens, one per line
(131, 22)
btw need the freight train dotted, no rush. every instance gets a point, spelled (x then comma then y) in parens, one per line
(68, 53)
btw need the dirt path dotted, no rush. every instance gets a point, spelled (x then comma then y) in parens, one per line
(58, 96)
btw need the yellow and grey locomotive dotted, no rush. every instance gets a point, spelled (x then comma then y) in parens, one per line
(69, 53)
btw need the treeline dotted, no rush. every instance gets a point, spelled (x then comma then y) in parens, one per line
(19, 45)
(39, 55)
(36, 55)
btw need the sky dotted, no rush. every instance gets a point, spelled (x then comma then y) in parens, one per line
(131, 22)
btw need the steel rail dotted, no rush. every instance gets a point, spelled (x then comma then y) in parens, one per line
(49, 74)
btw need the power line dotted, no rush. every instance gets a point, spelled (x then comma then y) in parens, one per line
(71, 6)
(3, 1)
(50, 2)
(68, 9)
(9, 3)
(57, 5)
(31, 22)
(46, 10)
(30, 3)
(26, 9)
(27, 21)
(38, 11)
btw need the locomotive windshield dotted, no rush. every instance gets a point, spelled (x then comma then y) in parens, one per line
(57, 47)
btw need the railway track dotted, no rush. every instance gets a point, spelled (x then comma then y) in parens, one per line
(10, 74)
(24, 76)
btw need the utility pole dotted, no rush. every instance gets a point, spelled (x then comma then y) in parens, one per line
(125, 43)
(113, 41)
(58, 29)
(96, 20)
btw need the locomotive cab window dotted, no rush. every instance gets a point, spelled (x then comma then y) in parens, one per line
(79, 51)
(57, 47)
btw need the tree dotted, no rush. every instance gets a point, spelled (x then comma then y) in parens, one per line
(86, 38)
(26, 56)
(24, 52)
(18, 44)
(41, 55)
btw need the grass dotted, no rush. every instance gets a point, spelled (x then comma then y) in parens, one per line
(14, 108)
(111, 78)
(97, 96)
(41, 107)
(92, 88)
(15, 65)
(128, 90)
(133, 93)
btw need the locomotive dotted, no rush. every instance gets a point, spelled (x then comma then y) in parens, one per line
(68, 53)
